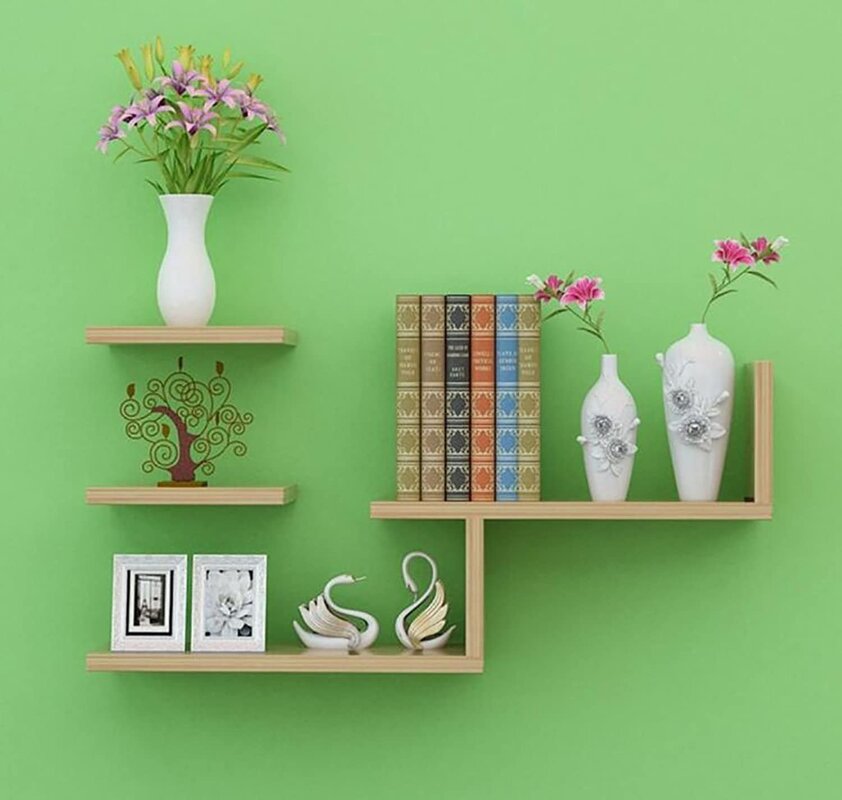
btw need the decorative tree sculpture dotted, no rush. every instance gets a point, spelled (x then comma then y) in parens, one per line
(188, 424)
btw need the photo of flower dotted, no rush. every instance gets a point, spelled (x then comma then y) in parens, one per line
(229, 603)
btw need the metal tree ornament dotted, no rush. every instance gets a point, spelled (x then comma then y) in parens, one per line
(188, 424)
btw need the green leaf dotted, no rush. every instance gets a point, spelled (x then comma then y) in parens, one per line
(249, 138)
(744, 240)
(555, 313)
(713, 283)
(722, 294)
(251, 175)
(763, 277)
(599, 320)
(121, 154)
(261, 163)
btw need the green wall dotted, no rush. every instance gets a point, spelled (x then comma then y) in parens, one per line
(445, 146)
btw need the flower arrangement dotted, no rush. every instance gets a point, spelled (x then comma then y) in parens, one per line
(739, 258)
(574, 296)
(196, 124)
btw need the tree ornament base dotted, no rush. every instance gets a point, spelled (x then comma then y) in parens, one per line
(182, 484)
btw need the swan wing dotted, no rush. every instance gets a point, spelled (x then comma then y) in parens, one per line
(320, 619)
(431, 620)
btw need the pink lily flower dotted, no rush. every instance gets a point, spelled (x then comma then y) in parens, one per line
(582, 292)
(763, 252)
(195, 120)
(146, 110)
(731, 253)
(182, 81)
(223, 92)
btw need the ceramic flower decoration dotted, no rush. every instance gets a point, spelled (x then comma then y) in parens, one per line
(740, 258)
(191, 120)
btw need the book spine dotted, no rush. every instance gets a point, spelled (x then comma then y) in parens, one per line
(482, 397)
(506, 353)
(432, 397)
(529, 399)
(408, 396)
(457, 397)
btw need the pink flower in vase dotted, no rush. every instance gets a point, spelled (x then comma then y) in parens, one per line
(731, 253)
(583, 291)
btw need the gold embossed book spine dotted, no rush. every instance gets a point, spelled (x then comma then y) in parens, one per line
(408, 396)
(432, 397)
(529, 399)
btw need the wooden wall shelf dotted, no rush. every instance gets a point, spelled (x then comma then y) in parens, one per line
(216, 334)
(288, 659)
(199, 496)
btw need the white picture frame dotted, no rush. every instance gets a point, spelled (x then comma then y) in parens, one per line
(229, 598)
(149, 603)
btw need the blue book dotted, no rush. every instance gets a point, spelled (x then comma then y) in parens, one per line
(506, 385)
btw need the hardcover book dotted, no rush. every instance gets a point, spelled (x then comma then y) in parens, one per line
(457, 397)
(408, 396)
(506, 377)
(529, 399)
(482, 397)
(432, 397)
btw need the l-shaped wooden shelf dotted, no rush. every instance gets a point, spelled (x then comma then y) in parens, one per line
(470, 658)
(191, 496)
(212, 334)
(288, 659)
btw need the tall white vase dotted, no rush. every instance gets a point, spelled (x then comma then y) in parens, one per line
(698, 376)
(186, 286)
(609, 435)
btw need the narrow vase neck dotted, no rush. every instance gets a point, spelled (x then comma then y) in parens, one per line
(699, 329)
(609, 366)
(186, 216)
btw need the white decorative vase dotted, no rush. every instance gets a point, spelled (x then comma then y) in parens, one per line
(186, 286)
(698, 375)
(609, 435)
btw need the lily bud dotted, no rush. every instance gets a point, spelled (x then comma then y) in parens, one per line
(185, 55)
(235, 70)
(226, 58)
(131, 68)
(205, 65)
(537, 282)
(780, 242)
(254, 81)
(148, 63)
(159, 50)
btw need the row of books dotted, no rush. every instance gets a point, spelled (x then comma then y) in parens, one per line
(468, 397)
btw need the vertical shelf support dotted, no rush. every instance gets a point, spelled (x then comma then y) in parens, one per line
(474, 587)
(762, 379)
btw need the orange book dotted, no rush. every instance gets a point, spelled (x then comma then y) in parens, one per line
(482, 397)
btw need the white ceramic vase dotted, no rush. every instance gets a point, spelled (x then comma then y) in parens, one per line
(186, 286)
(698, 377)
(609, 435)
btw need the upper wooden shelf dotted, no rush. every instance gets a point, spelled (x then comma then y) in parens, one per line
(217, 334)
(666, 510)
(191, 496)
(289, 659)
(759, 506)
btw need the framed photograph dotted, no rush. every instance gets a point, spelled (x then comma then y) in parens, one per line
(149, 602)
(229, 603)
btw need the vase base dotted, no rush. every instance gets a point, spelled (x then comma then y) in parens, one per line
(183, 484)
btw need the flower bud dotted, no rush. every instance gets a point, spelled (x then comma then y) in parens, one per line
(185, 55)
(254, 81)
(148, 63)
(131, 68)
(159, 50)
(780, 242)
(226, 58)
(537, 282)
(235, 70)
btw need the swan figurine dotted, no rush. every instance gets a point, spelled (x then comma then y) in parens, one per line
(421, 633)
(329, 623)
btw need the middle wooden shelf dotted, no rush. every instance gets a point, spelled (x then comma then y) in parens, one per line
(191, 496)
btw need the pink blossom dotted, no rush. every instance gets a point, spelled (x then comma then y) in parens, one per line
(763, 252)
(732, 253)
(583, 291)
(554, 283)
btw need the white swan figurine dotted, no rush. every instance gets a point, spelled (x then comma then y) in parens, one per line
(330, 628)
(432, 619)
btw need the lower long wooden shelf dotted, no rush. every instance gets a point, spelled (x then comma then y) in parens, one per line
(289, 659)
